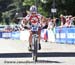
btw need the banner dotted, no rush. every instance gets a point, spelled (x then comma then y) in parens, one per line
(15, 35)
(0, 34)
(6, 35)
(65, 35)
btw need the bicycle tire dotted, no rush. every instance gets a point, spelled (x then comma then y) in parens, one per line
(34, 52)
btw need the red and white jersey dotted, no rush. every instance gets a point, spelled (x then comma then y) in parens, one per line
(33, 19)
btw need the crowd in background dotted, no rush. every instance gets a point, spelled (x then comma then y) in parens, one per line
(62, 21)
(49, 23)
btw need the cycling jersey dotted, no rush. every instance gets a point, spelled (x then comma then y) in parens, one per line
(33, 19)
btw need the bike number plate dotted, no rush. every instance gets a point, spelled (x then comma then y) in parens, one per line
(34, 29)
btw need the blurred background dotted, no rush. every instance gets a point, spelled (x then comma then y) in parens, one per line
(10, 9)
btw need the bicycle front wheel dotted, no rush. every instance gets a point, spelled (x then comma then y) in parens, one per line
(34, 52)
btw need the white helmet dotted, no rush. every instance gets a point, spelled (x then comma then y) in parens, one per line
(33, 9)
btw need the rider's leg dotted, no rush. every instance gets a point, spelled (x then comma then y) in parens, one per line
(30, 39)
(39, 37)
(39, 32)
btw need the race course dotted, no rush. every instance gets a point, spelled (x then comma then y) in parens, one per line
(16, 52)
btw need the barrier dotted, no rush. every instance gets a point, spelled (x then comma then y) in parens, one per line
(51, 35)
(24, 35)
(6, 35)
(62, 35)
(70, 35)
(57, 34)
(0, 34)
(44, 34)
(15, 35)
(65, 35)
(21, 35)
(10, 35)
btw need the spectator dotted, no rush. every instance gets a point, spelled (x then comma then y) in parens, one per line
(69, 21)
(8, 28)
(62, 20)
(74, 20)
(58, 22)
(44, 23)
(54, 21)
(50, 23)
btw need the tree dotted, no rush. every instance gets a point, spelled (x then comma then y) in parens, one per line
(65, 7)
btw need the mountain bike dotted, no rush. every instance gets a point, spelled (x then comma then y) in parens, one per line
(35, 44)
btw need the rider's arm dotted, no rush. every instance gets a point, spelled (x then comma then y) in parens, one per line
(43, 22)
(25, 20)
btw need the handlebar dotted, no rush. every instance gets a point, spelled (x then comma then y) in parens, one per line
(29, 27)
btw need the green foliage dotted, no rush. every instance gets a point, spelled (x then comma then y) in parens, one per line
(28, 2)
(41, 11)
(65, 7)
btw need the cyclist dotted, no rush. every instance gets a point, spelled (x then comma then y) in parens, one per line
(33, 18)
